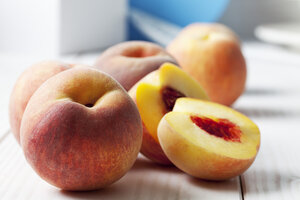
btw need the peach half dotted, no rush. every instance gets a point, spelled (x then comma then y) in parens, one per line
(208, 140)
(155, 95)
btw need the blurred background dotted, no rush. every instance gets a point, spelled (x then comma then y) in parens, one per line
(57, 27)
(77, 31)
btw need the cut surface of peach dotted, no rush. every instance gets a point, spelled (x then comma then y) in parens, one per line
(208, 140)
(155, 95)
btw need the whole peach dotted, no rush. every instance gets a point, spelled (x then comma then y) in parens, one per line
(29, 81)
(128, 62)
(81, 130)
(211, 54)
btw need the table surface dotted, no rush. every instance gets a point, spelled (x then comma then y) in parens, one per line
(271, 99)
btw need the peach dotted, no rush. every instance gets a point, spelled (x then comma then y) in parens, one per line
(211, 54)
(208, 140)
(155, 95)
(128, 62)
(29, 81)
(81, 130)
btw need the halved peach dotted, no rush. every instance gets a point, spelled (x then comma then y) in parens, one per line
(155, 95)
(208, 140)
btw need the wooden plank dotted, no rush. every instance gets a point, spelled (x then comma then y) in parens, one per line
(275, 173)
(272, 101)
(144, 181)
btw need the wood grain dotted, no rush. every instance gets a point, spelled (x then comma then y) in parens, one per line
(271, 99)
(275, 174)
(144, 181)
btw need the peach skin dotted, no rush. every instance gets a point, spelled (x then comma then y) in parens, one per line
(81, 130)
(211, 54)
(29, 81)
(208, 140)
(155, 95)
(128, 62)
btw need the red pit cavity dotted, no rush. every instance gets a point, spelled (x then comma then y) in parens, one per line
(222, 128)
(169, 96)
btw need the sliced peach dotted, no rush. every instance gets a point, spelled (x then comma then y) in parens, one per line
(208, 140)
(155, 95)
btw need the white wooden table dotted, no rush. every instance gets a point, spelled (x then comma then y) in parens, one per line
(272, 100)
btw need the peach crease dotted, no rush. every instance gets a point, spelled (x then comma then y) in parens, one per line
(222, 128)
(139, 53)
(89, 105)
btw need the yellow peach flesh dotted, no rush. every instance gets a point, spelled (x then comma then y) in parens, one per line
(203, 155)
(148, 97)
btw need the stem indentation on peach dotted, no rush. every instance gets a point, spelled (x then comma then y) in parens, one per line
(89, 105)
(139, 53)
(169, 96)
(222, 128)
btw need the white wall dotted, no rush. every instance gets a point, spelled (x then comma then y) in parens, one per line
(21, 27)
(91, 25)
(53, 27)
(244, 15)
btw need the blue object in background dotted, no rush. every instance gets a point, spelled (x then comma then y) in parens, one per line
(180, 12)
